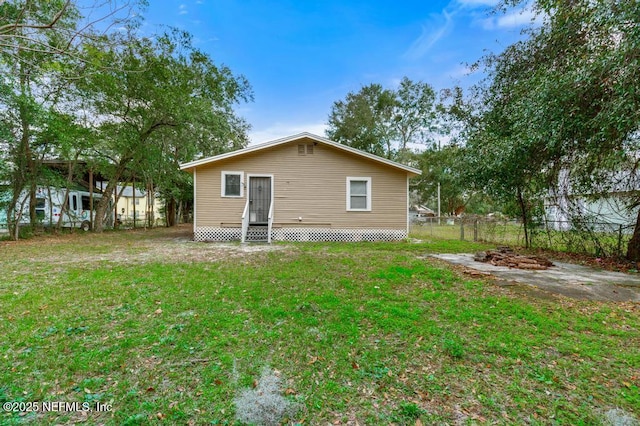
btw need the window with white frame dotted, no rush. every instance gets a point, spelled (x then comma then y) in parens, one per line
(232, 184)
(359, 194)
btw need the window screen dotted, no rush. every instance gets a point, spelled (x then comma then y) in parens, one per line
(358, 194)
(232, 184)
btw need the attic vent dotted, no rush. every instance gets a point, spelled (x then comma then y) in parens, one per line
(305, 149)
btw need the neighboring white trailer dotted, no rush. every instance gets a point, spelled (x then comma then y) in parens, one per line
(51, 205)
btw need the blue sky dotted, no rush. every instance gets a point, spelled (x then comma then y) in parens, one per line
(300, 56)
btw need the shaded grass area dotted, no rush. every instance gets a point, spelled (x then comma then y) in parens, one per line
(366, 332)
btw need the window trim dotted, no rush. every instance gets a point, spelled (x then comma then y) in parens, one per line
(223, 183)
(367, 195)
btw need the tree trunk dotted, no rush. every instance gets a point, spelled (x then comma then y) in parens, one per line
(525, 219)
(19, 182)
(15, 216)
(63, 210)
(171, 212)
(150, 204)
(133, 203)
(65, 202)
(103, 205)
(633, 249)
(29, 168)
(33, 218)
(105, 201)
(186, 212)
(12, 210)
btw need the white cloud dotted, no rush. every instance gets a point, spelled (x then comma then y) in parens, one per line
(460, 71)
(281, 130)
(514, 19)
(439, 26)
(182, 9)
(395, 82)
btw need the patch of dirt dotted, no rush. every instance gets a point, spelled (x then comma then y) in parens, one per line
(164, 245)
(615, 264)
(177, 251)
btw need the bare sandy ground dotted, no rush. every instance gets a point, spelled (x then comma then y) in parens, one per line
(575, 281)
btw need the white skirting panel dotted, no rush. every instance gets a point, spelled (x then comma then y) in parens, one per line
(304, 234)
(206, 233)
(330, 234)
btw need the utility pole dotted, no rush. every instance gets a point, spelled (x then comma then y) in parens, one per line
(438, 203)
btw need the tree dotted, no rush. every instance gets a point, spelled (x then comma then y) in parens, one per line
(26, 91)
(497, 162)
(383, 121)
(498, 157)
(565, 99)
(160, 102)
(162, 171)
(42, 26)
(38, 43)
(415, 114)
(363, 120)
(439, 168)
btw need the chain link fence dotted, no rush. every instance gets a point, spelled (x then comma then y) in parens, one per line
(578, 236)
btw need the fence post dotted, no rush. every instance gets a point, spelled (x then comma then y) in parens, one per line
(620, 240)
(475, 230)
(461, 229)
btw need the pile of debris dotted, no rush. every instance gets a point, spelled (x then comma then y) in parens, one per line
(504, 256)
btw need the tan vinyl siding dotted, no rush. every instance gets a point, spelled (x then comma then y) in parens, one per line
(311, 185)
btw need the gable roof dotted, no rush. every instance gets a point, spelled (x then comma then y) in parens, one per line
(190, 166)
(128, 191)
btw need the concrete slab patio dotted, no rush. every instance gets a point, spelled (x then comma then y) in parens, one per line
(575, 281)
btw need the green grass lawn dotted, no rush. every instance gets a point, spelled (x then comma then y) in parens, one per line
(496, 232)
(368, 332)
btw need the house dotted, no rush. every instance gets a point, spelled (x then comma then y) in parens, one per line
(139, 204)
(130, 203)
(420, 211)
(300, 188)
(606, 209)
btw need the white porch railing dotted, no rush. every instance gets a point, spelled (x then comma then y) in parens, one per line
(270, 221)
(245, 222)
